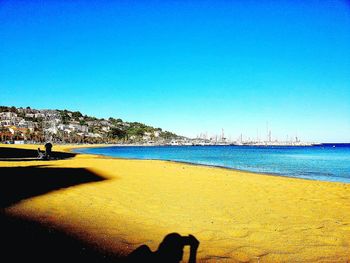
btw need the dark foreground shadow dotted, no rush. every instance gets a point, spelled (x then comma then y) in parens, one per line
(26, 241)
(15, 154)
(22, 240)
(17, 183)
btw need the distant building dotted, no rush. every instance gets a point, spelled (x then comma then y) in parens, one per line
(52, 130)
(7, 115)
(30, 115)
(39, 115)
(94, 135)
(157, 133)
(104, 123)
(5, 123)
(106, 128)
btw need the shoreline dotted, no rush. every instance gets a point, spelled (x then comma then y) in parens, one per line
(327, 144)
(207, 165)
(237, 216)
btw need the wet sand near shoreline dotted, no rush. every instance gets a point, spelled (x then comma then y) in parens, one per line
(108, 207)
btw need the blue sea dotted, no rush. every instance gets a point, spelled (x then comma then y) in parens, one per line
(328, 162)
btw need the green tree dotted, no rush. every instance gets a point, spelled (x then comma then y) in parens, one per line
(76, 114)
(117, 133)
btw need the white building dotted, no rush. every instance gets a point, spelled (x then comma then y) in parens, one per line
(106, 128)
(157, 134)
(7, 115)
(52, 130)
(39, 115)
(94, 135)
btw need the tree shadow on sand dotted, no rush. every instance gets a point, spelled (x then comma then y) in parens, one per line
(17, 183)
(15, 154)
(23, 240)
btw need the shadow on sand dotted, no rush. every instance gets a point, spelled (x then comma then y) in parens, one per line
(17, 183)
(170, 250)
(16, 154)
(27, 241)
(23, 240)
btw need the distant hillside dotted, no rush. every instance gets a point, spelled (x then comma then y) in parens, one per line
(64, 126)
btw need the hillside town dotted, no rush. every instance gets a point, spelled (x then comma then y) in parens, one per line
(27, 125)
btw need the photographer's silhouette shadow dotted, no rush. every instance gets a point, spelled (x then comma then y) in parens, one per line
(170, 250)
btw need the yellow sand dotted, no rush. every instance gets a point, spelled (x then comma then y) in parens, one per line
(237, 216)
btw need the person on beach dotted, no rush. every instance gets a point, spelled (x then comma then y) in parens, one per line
(170, 250)
(48, 152)
(41, 154)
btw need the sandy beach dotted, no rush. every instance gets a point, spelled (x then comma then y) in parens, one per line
(116, 205)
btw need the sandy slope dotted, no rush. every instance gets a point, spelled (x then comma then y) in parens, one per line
(237, 216)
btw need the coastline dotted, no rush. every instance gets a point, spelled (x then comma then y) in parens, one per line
(237, 215)
(202, 164)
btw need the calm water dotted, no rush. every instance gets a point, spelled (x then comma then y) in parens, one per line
(325, 163)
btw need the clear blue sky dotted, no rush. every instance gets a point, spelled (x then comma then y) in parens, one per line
(185, 66)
